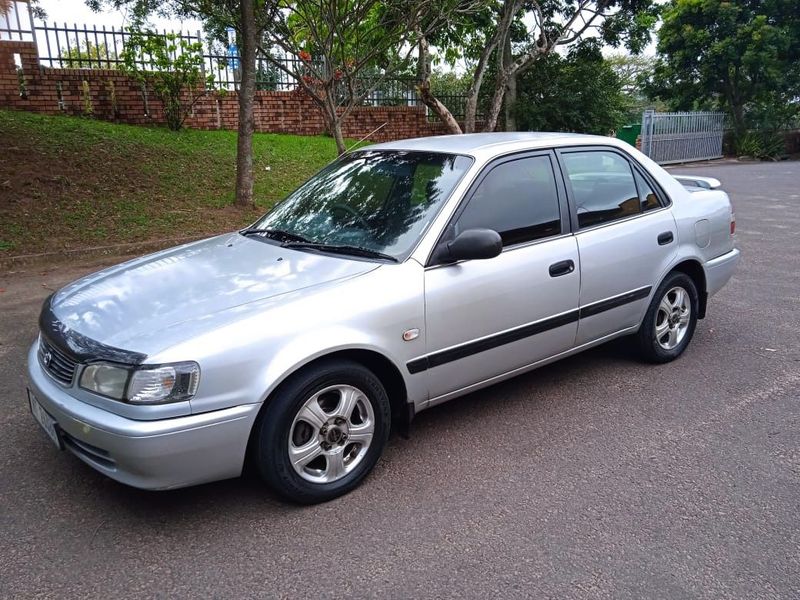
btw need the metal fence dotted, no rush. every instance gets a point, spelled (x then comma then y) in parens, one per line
(64, 45)
(17, 23)
(682, 136)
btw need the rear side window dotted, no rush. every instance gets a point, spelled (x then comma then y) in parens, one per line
(518, 199)
(647, 196)
(602, 187)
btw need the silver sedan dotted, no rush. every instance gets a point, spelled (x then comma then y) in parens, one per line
(399, 277)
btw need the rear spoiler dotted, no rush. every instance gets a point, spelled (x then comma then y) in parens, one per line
(708, 183)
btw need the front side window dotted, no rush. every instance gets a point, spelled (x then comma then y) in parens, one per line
(517, 199)
(602, 187)
(377, 200)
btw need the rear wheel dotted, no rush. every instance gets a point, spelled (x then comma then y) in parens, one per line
(323, 431)
(671, 319)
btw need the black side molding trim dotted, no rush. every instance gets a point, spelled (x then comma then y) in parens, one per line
(597, 307)
(501, 339)
(423, 363)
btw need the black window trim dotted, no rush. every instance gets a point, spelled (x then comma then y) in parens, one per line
(561, 192)
(634, 165)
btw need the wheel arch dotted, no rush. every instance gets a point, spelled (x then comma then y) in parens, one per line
(695, 271)
(383, 368)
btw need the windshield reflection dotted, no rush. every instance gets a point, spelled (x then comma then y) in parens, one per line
(378, 200)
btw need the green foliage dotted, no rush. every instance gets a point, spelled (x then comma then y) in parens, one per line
(449, 83)
(578, 93)
(172, 66)
(88, 55)
(634, 72)
(267, 76)
(742, 57)
(764, 145)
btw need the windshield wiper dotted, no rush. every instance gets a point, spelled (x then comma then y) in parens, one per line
(340, 249)
(275, 234)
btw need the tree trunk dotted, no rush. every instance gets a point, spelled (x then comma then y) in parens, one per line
(493, 113)
(333, 120)
(247, 91)
(338, 137)
(424, 89)
(511, 90)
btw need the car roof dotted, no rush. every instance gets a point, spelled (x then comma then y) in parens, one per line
(491, 144)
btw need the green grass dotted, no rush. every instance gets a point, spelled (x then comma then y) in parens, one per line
(70, 182)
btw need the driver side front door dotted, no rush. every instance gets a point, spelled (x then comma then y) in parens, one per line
(488, 318)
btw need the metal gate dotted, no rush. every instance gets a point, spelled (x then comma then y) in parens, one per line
(682, 136)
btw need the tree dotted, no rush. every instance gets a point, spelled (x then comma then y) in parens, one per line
(248, 18)
(88, 54)
(742, 57)
(579, 92)
(545, 25)
(173, 67)
(346, 49)
(635, 72)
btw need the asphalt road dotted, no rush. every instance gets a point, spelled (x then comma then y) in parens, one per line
(597, 477)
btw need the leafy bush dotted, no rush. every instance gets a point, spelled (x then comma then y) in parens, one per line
(174, 68)
(763, 145)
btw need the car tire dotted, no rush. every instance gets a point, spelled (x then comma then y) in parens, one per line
(671, 319)
(323, 431)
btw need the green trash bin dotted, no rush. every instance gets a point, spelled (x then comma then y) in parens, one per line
(629, 133)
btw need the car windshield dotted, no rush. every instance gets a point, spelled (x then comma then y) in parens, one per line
(381, 201)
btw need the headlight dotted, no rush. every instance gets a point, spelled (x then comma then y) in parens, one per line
(155, 384)
(106, 380)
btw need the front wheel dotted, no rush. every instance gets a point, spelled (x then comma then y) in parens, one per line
(671, 319)
(323, 431)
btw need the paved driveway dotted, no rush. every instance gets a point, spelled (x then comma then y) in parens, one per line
(594, 477)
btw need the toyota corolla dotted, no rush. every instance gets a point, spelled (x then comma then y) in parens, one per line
(399, 277)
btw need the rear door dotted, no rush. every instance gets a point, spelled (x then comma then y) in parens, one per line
(485, 318)
(626, 237)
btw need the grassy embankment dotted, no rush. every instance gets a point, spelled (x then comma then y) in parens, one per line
(69, 182)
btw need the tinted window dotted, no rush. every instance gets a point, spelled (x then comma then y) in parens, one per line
(602, 187)
(647, 196)
(517, 199)
(379, 200)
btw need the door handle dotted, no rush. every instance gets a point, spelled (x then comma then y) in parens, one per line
(564, 267)
(665, 238)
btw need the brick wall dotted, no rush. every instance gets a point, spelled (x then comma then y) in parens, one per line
(117, 97)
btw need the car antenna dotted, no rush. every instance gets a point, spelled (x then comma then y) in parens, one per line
(374, 131)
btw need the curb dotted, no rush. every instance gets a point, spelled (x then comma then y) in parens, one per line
(9, 264)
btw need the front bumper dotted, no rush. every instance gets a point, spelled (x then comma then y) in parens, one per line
(719, 270)
(156, 455)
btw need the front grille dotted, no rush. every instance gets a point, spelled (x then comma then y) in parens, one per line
(58, 364)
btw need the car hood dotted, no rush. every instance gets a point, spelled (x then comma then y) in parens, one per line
(149, 303)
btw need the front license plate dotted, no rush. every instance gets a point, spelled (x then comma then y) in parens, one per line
(45, 420)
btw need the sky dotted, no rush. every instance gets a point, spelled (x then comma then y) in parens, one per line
(76, 11)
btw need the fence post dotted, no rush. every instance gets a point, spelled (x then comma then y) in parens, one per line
(647, 133)
(33, 32)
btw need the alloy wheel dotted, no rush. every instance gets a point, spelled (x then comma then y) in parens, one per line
(673, 318)
(331, 433)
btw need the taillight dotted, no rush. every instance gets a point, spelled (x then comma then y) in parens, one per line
(733, 223)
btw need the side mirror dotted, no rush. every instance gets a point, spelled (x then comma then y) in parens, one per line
(472, 244)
